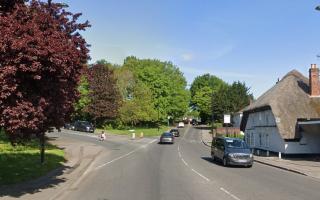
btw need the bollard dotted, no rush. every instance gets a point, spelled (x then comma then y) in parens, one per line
(141, 135)
(268, 153)
(279, 155)
(133, 136)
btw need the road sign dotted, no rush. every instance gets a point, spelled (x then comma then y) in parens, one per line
(226, 119)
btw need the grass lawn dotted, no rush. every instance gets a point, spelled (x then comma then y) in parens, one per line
(22, 163)
(147, 132)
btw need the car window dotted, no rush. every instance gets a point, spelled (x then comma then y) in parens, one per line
(167, 134)
(86, 123)
(232, 143)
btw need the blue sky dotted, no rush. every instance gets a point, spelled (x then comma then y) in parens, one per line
(252, 41)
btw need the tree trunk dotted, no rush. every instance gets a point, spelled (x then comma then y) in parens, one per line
(42, 147)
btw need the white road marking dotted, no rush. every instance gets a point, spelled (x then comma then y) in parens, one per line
(125, 155)
(184, 162)
(230, 194)
(205, 178)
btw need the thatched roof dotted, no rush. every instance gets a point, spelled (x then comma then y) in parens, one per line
(288, 100)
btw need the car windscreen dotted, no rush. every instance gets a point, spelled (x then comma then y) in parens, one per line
(86, 123)
(174, 131)
(167, 134)
(240, 144)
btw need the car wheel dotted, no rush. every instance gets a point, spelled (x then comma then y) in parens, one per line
(213, 158)
(249, 166)
(225, 162)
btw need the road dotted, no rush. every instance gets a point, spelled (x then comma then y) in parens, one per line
(146, 170)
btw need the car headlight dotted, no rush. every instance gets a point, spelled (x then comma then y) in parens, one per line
(231, 155)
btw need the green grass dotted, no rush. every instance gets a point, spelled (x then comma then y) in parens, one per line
(22, 162)
(147, 132)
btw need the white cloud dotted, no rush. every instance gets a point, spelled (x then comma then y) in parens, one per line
(187, 57)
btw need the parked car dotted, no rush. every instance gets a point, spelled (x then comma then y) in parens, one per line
(194, 122)
(167, 137)
(69, 126)
(231, 151)
(83, 126)
(175, 132)
(181, 125)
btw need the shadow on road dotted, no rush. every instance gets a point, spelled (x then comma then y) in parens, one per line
(203, 127)
(219, 162)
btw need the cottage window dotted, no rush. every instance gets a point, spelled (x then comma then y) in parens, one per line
(252, 140)
(260, 140)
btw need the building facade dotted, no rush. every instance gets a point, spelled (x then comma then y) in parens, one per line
(285, 119)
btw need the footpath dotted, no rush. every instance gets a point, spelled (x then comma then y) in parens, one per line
(80, 157)
(308, 166)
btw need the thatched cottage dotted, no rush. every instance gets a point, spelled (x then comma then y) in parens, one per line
(286, 119)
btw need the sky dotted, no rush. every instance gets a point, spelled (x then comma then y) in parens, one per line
(255, 42)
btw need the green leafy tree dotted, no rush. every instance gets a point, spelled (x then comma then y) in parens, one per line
(80, 107)
(166, 83)
(202, 89)
(230, 99)
(139, 107)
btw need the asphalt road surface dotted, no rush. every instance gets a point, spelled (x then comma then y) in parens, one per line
(146, 170)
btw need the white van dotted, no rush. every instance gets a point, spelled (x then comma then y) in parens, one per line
(181, 125)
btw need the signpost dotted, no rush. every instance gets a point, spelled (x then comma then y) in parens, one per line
(227, 121)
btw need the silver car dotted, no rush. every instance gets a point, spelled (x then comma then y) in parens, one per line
(167, 137)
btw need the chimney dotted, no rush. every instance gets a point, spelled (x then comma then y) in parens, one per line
(314, 81)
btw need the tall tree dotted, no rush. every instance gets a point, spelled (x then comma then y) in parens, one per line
(41, 57)
(202, 89)
(105, 98)
(230, 99)
(166, 82)
(80, 107)
(139, 106)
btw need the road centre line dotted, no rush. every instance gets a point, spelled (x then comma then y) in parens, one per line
(230, 194)
(184, 162)
(125, 155)
(205, 178)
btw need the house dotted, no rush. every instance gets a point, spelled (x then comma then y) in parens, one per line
(286, 119)
(236, 118)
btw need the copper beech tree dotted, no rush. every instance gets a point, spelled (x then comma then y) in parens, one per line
(105, 98)
(42, 55)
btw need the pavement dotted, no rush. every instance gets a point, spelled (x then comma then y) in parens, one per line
(303, 165)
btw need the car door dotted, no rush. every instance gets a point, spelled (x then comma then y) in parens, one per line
(220, 148)
(213, 146)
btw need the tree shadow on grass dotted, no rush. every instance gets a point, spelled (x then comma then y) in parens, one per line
(21, 167)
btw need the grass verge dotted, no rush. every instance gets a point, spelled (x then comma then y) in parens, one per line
(22, 162)
(147, 132)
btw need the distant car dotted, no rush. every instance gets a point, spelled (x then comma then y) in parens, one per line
(83, 126)
(175, 132)
(194, 122)
(232, 151)
(69, 126)
(181, 125)
(167, 137)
